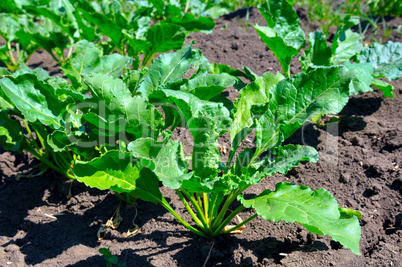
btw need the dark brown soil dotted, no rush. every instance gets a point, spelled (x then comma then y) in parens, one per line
(361, 161)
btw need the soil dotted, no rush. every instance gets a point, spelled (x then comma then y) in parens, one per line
(360, 164)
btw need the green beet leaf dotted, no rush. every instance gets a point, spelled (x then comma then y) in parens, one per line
(4, 71)
(59, 141)
(165, 37)
(318, 53)
(362, 79)
(64, 91)
(51, 41)
(256, 93)
(133, 79)
(294, 101)
(113, 170)
(347, 47)
(166, 159)
(60, 12)
(385, 59)
(86, 55)
(35, 99)
(283, 34)
(8, 27)
(207, 86)
(114, 65)
(40, 73)
(147, 187)
(383, 86)
(346, 43)
(283, 160)
(117, 110)
(106, 25)
(349, 213)
(315, 210)
(88, 59)
(206, 122)
(191, 23)
(118, 172)
(171, 168)
(11, 133)
(167, 68)
(5, 102)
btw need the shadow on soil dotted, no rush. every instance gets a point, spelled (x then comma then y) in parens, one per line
(28, 200)
(224, 251)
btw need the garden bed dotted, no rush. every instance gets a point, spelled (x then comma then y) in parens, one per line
(360, 164)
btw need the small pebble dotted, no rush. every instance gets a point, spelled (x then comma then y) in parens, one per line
(344, 178)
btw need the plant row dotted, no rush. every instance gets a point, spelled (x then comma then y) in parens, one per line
(128, 27)
(111, 124)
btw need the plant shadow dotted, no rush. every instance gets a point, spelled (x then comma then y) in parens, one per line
(188, 250)
(27, 207)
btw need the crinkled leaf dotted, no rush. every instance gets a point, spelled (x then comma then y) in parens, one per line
(11, 133)
(136, 45)
(113, 170)
(64, 91)
(87, 59)
(346, 43)
(113, 65)
(348, 46)
(60, 12)
(283, 160)
(383, 86)
(214, 68)
(59, 141)
(385, 59)
(318, 53)
(255, 93)
(171, 168)
(191, 23)
(34, 98)
(167, 68)
(117, 108)
(349, 213)
(165, 37)
(40, 73)
(207, 86)
(206, 122)
(283, 35)
(8, 27)
(166, 160)
(294, 101)
(51, 41)
(145, 148)
(114, 11)
(133, 79)
(362, 79)
(106, 25)
(315, 210)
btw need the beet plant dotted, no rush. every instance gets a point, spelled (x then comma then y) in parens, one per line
(112, 126)
(64, 124)
(131, 28)
(284, 36)
(272, 107)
